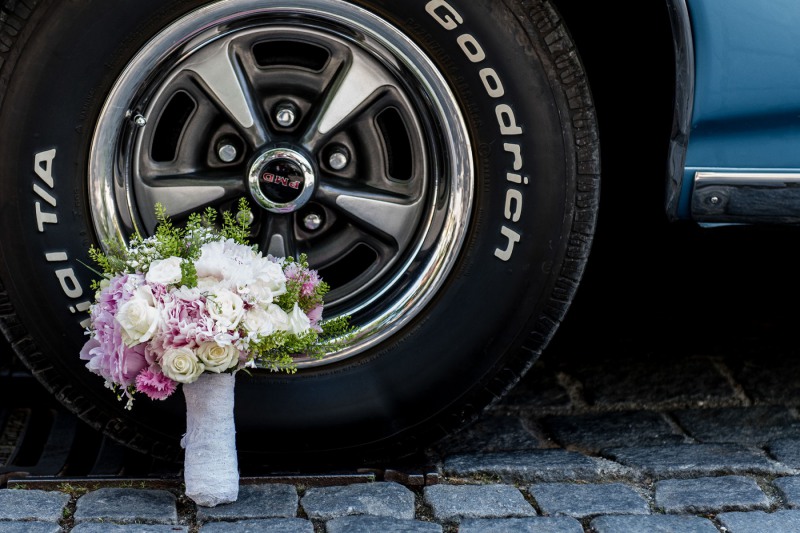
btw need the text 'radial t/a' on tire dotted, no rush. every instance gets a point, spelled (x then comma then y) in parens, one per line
(436, 160)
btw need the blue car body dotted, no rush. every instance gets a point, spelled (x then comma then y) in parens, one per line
(734, 154)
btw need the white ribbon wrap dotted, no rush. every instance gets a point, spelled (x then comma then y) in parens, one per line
(210, 469)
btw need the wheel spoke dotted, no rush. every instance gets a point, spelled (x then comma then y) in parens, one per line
(374, 210)
(277, 237)
(185, 193)
(327, 253)
(223, 79)
(357, 80)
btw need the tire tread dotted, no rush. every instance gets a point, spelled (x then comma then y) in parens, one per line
(540, 18)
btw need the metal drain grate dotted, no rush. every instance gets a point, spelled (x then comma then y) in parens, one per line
(41, 443)
(40, 439)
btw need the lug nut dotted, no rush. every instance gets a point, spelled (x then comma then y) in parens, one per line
(338, 159)
(286, 114)
(245, 217)
(312, 221)
(139, 120)
(227, 152)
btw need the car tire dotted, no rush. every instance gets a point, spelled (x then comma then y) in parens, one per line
(469, 189)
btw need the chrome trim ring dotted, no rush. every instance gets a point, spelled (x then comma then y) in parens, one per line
(204, 57)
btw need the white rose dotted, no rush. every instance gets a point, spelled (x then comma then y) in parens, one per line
(278, 317)
(226, 308)
(258, 322)
(298, 321)
(255, 292)
(217, 358)
(181, 365)
(165, 271)
(138, 317)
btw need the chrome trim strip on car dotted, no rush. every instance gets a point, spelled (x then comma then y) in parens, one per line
(747, 197)
(683, 44)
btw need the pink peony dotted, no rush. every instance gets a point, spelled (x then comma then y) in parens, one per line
(129, 362)
(116, 293)
(155, 385)
(105, 353)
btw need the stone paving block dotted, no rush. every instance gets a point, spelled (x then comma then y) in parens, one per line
(23, 504)
(657, 523)
(582, 501)
(373, 524)
(787, 451)
(548, 465)
(127, 506)
(755, 425)
(770, 380)
(30, 527)
(267, 525)
(255, 501)
(539, 524)
(377, 499)
(594, 432)
(693, 460)
(452, 503)
(760, 522)
(710, 495)
(491, 434)
(789, 488)
(105, 527)
(637, 381)
(538, 389)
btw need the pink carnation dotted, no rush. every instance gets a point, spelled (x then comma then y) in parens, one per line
(156, 386)
(186, 322)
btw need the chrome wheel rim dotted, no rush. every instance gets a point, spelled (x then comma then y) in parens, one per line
(371, 167)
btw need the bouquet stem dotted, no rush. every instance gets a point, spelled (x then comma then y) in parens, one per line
(211, 470)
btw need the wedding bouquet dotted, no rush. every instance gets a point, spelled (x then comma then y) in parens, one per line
(192, 305)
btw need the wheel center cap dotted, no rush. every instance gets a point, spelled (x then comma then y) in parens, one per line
(281, 180)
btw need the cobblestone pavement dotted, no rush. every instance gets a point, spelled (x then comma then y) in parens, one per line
(666, 417)
(635, 441)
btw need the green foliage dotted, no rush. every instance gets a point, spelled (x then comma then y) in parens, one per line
(188, 274)
(276, 352)
(170, 240)
(237, 227)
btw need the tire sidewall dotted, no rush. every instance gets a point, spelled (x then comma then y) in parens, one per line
(501, 284)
